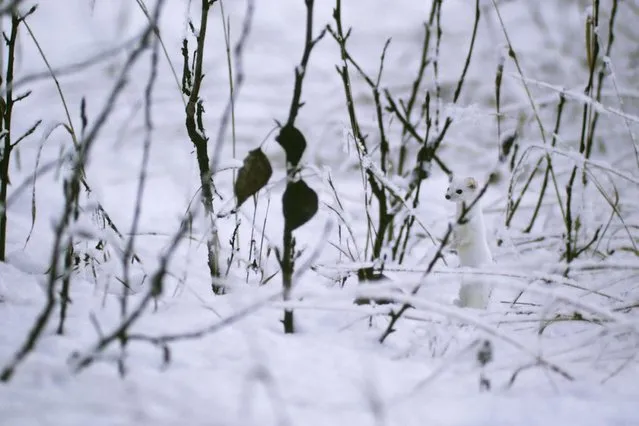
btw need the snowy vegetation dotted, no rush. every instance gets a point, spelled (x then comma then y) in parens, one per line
(232, 212)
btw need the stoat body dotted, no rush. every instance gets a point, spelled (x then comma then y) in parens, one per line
(469, 239)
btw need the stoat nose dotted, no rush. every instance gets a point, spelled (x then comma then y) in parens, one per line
(447, 197)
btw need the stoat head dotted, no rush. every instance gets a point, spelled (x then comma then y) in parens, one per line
(462, 190)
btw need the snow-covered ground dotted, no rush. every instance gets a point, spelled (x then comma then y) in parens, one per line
(562, 353)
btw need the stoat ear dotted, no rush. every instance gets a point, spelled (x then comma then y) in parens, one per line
(470, 183)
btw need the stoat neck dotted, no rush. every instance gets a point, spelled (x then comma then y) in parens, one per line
(472, 213)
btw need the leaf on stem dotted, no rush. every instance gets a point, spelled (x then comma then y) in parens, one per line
(293, 143)
(253, 176)
(300, 204)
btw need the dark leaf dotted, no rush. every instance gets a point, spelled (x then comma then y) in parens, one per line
(293, 142)
(506, 145)
(299, 204)
(253, 176)
(83, 114)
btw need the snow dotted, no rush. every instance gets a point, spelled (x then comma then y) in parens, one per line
(564, 337)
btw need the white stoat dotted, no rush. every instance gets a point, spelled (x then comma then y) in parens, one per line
(469, 238)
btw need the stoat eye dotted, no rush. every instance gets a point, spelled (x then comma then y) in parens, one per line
(459, 191)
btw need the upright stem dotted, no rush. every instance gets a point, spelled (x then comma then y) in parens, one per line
(194, 111)
(544, 185)
(66, 285)
(423, 63)
(6, 110)
(300, 71)
(287, 262)
(287, 279)
(384, 218)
